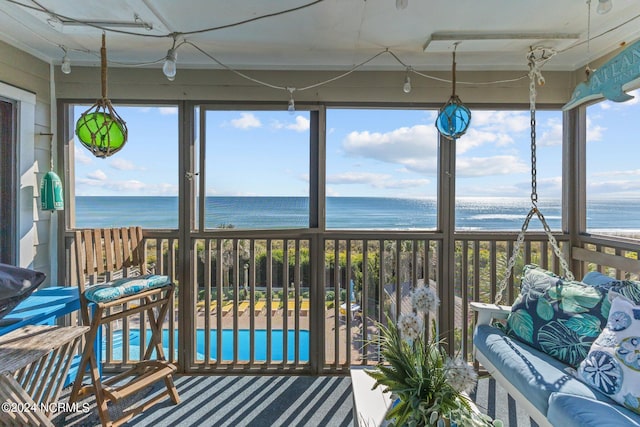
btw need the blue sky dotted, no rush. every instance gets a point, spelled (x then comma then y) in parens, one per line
(370, 152)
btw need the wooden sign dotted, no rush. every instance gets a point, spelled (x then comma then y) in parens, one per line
(611, 79)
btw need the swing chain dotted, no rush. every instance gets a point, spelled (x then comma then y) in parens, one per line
(534, 72)
(512, 260)
(536, 58)
(556, 248)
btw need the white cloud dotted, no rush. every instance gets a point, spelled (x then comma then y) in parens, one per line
(547, 188)
(246, 121)
(331, 192)
(501, 121)
(594, 132)
(81, 155)
(301, 124)
(162, 110)
(122, 164)
(132, 186)
(615, 187)
(478, 137)
(633, 172)
(357, 178)
(97, 175)
(623, 183)
(552, 136)
(166, 111)
(484, 166)
(129, 185)
(375, 180)
(413, 147)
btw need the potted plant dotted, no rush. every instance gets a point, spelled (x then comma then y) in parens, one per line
(430, 387)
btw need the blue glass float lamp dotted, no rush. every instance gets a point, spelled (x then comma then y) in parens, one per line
(454, 117)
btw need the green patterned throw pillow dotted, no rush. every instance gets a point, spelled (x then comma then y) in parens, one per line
(559, 317)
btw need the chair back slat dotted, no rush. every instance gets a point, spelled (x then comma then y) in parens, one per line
(108, 250)
(101, 252)
(126, 253)
(119, 255)
(96, 244)
(138, 255)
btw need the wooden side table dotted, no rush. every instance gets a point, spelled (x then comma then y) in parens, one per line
(34, 361)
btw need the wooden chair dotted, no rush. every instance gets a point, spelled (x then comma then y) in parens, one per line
(101, 254)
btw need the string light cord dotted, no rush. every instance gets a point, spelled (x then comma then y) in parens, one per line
(226, 67)
(493, 82)
(340, 76)
(43, 9)
(354, 68)
(580, 43)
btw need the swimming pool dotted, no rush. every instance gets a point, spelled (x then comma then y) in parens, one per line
(259, 350)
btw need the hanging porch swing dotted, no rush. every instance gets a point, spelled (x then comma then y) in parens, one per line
(536, 58)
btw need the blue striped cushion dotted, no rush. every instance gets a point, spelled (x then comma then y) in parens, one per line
(110, 291)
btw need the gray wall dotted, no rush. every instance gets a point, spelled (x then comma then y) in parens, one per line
(361, 86)
(28, 73)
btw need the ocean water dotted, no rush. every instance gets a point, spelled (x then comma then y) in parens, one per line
(349, 213)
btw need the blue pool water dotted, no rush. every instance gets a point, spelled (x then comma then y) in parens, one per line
(259, 350)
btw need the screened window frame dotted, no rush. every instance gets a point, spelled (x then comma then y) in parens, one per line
(317, 159)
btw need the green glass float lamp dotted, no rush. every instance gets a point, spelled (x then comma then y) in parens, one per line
(454, 117)
(100, 129)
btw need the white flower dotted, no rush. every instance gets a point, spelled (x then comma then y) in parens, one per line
(424, 299)
(410, 326)
(460, 375)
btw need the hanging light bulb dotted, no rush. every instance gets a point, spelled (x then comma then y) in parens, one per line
(66, 62)
(292, 105)
(406, 87)
(604, 6)
(402, 4)
(169, 66)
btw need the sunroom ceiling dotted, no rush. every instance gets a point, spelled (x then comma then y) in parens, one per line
(326, 35)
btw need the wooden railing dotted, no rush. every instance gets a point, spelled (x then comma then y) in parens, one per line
(310, 302)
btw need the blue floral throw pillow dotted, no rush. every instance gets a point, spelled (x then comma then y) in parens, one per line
(562, 318)
(613, 363)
